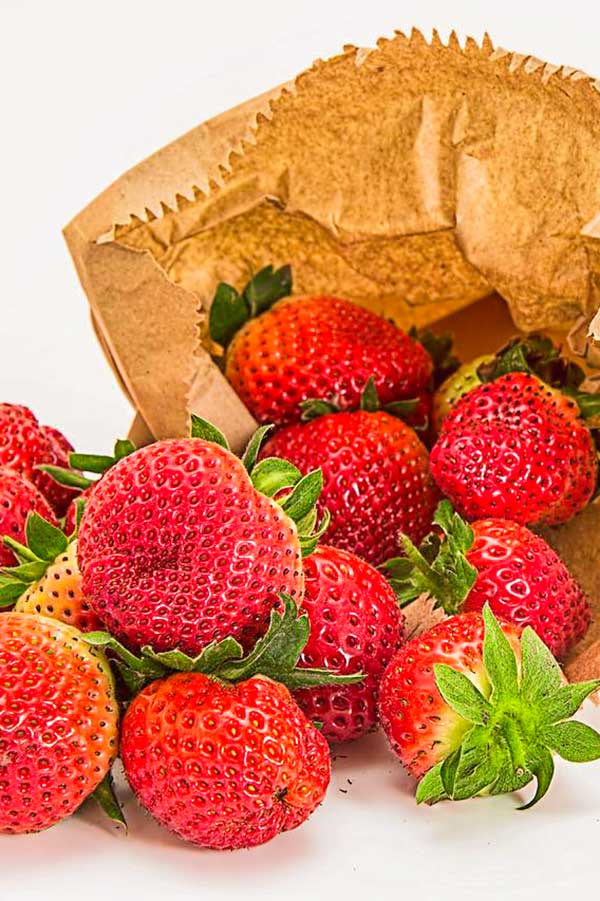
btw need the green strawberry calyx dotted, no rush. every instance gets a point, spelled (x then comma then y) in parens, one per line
(231, 309)
(514, 727)
(369, 402)
(280, 480)
(439, 348)
(438, 567)
(275, 655)
(43, 544)
(91, 463)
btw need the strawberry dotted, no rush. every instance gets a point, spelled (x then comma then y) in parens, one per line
(220, 753)
(355, 624)
(58, 722)
(25, 444)
(310, 347)
(471, 709)
(500, 562)
(47, 580)
(376, 479)
(18, 497)
(516, 449)
(181, 543)
(463, 380)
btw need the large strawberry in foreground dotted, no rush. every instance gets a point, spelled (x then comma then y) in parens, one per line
(58, 721)
(310, 347)
(499, 562)
(355, 625)
(179, 546)
(18, 498)
(471, 709)
(376, 480)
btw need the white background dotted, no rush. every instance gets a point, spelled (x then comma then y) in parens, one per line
(87, 90)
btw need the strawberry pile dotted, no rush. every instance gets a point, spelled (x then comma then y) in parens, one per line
(218, 623)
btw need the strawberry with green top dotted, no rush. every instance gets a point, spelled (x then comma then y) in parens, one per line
(280, 355)
(182, 543)
(218, 751)
(18, 498)
(499, 562)
(472, 707)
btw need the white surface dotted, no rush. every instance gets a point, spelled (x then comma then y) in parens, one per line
(87, 91)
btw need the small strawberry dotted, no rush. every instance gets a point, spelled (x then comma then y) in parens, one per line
(463, 380)
(181, 543)
(516, 449)
(47, 580)
(310, 347)
(58, 722)
(220, 753)
(18, 498)
(499, 562)
(25, 444)
(355, 624)
(472, 710)
(376, 480)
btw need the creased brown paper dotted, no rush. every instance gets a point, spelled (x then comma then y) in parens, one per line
(415, 178)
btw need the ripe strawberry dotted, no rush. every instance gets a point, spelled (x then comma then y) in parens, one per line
(25, 444)
(516, 449)
(471, 710)
(355, 625)
(376, 479)
(463, 380)
(310, 347)
(499, 562)
(18, 497)
(178, 546)
(226, 765)
(47, 580)
(58, 721)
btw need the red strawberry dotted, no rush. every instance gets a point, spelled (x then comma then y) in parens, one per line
(310, 347)
(468, 719)
(178, 548)
(463, 380)
(58, 721)
(355, 625)
(375, 474)
(25, 444)
(516, 449)
(499, 562)
(18, 497)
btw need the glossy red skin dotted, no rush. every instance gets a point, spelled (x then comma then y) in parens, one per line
(526, 583)
(322, 347)
(515, 449)
(25, 444)
(177, 549)
(223, 766)
(422, 729)
(355, 626)
(58, 722)
(18, 498)
(376, 478)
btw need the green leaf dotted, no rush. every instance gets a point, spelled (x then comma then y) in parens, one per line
(402, 408)
(315, 407)
(98, 463)
(133, 681)
(461, 694)
(499, 658)
(588, 403)
(369, 399)
(448, 771)
(566, 701)
(10, 591)
(543, 770)
(253, 447)
(205, 430)
(123, 448)
(304, 496)
(79, 508)
(311, 678)
(454, 526)
(478, 767)
(266, 287)
(21, 551)
(210, 659)
(541, 674)
(273, 475)
(45, 540)
(431, 789)
(573, 741)
(66, 477)
(310, 539)
(142, 665)
(105, 796)
(228, 313)
(439, 348)
(26, 573)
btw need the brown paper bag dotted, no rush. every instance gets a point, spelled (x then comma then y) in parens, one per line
(418, 179)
